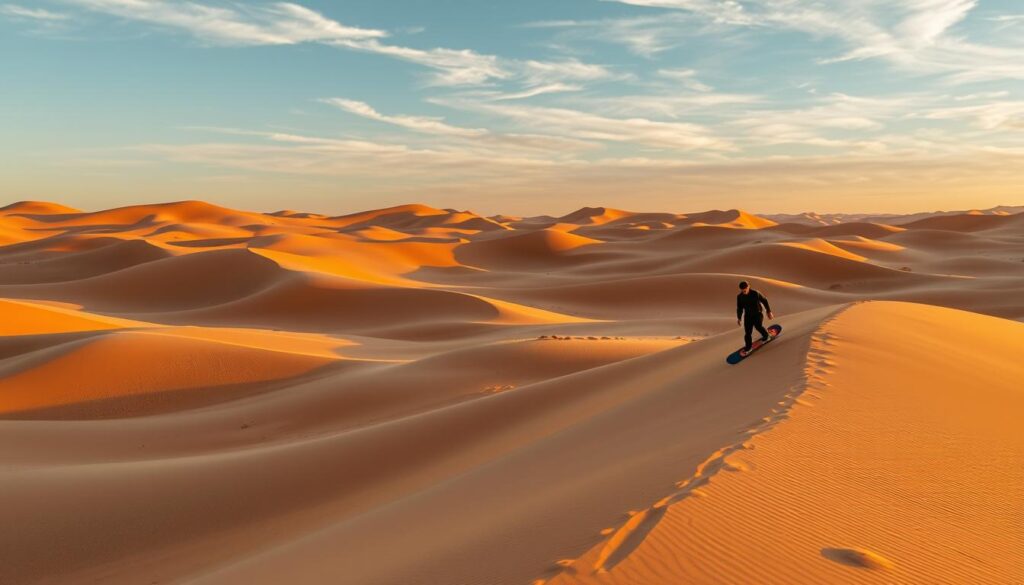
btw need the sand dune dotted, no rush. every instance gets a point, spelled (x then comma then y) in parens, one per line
(542, 248)
(968, 222)
(883, 441)
(195, 394)
(864, 229)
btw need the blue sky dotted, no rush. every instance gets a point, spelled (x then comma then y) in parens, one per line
(515, 107)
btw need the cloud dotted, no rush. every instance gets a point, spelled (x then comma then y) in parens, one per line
(914, 35)
(719, 11)
(416, 123)
(835, 121)
(989, 116)
(479, 140)
(531, 92)
(455, 67)
(987, 95)
(1005, 21)
(645, 36)
(672, 105)
(686, 77)
(285, 23)
(537, 73)
(16, 11)
(381, 162)
(589, 126)
(281, 23)
(866, 180)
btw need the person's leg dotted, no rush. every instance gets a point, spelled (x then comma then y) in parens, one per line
(759, 325)
(748, 327)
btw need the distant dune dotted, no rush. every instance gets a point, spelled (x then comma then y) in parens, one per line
(202, 395)
(813, 218)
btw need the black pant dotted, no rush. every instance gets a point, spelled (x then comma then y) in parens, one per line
(751, 322)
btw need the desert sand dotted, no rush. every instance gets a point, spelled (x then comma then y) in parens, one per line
(201, 395)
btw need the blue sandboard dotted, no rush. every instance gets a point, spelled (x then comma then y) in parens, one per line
(735, 357)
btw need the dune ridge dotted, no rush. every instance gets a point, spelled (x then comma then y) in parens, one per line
(910, 451)
(196, 394)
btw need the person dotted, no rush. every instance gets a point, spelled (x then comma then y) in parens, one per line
(748, 309)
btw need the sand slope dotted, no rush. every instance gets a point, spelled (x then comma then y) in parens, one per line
(195, 394)
(897, 464)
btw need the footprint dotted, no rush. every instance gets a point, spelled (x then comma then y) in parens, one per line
(857, 557)
(737, 465)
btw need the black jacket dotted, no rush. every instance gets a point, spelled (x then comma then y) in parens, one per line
(751, 303)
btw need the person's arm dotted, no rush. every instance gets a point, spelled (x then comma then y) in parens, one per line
(739, 309)
(767, 307)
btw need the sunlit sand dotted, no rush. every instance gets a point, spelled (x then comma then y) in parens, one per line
(203, 395)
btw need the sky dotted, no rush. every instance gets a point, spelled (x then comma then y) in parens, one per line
(526, 107)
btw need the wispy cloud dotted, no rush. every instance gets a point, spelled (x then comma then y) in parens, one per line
(672, 105)
(383, 162)
(454, 67)
(685, 77)
(1005, 21)
(834, 121)
(1007, 114)
(536, 73)
(643, 35)
(719, 11)
(590, 126)
(280, 23)
(285, 23)
(530, 92)
(39, 14)
(399, 170)
(915, 34)
(417, 123)
(481, 141)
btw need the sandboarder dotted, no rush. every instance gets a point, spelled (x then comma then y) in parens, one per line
(748, 309)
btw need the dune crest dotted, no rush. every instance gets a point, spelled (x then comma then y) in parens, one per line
(907, 464)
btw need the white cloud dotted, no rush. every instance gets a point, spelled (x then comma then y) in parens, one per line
(671, 105)
(479, 140)
(587, 126)
(686, 77)
(550, 72)
(914, 34)
(455, 67)
(417, 123)
(834, 121)
(1005, 21)
(719, 11)
(988, 116)
(281, 23)
(398, 170)
(532, 92)
(646, 36)
(16, 11)
(285, 23)
(380, 162)
(987, 95)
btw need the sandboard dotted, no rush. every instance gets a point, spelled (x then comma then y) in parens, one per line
(735, 357)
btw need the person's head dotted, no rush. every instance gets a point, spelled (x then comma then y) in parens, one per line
(744, 287)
